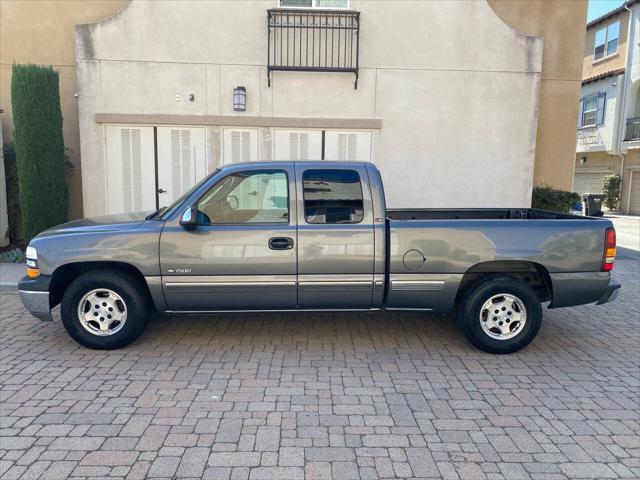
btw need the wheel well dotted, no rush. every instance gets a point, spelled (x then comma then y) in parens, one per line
(65, 274)
(531, 273)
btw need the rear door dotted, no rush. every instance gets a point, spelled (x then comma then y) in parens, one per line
(335, 237)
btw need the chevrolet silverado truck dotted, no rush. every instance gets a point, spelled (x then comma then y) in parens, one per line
(309, 236)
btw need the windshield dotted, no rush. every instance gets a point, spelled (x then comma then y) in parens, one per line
(168, 211)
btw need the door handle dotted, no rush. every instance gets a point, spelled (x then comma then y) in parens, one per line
(281, 243)
(162, 190)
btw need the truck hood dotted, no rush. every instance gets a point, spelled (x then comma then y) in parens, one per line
(107, 223)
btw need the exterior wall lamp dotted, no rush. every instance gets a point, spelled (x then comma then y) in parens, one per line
(239, 99)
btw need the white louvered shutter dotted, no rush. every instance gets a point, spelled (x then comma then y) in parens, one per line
(292, 145)
(130, 175)
(181, 161)
(240, 145)
(348, 146)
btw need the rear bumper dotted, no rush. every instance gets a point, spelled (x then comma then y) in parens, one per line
(582, 288)
(611, 293)
(34, 294)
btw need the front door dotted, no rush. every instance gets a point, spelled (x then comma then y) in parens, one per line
(335, 237)
(242, 256)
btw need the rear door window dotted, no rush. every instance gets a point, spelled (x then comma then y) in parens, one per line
(332, 196)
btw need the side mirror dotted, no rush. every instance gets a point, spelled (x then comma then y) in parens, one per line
(189, 218)
(233, 202)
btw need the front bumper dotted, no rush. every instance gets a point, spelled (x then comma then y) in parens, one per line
(610, 294)
(34, 294)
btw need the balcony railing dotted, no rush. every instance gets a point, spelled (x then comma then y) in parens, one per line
(633, 129)
(589, 140)
(313, 41)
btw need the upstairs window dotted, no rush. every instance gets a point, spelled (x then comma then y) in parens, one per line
(592, 110)
(606, 41)
(342, 4)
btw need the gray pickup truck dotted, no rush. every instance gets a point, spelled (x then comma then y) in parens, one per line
(304, 236)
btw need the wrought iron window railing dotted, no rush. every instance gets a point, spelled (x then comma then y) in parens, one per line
(589, 139)
(313, 41)
(633, 129)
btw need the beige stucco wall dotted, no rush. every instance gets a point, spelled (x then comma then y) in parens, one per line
(456, 90)
(612, 62)
(42, 32)
(598, 162)
(561, 24)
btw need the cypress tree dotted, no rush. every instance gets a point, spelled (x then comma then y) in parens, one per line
(39, 146)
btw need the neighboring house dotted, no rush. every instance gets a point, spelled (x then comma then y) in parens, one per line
(459, 103)
(42, 32)
(608, 140)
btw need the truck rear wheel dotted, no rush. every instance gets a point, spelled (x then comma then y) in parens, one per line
(500, 314)
(105, 309)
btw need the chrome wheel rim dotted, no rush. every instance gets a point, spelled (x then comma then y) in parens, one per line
(503, 316)
(102, 312)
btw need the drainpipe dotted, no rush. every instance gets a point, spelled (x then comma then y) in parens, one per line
(621, 176)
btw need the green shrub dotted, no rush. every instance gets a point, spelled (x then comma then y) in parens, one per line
(13, 256)
(13, 201)
(611, 186)
(545, 197)
(37, 120)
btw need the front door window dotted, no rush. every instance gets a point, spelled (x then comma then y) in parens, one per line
(259, 196)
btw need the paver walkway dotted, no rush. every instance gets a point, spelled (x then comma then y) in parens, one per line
(319, 396)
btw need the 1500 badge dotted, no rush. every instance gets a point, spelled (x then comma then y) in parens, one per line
(179, 270)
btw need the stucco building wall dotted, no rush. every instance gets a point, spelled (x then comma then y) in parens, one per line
(454, 88)
(609, 62)
(561, 25)
(42, 32)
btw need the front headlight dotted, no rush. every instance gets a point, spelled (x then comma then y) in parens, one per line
(31, 253)
(32, 263)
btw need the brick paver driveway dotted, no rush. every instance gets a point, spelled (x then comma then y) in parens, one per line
(327, 395)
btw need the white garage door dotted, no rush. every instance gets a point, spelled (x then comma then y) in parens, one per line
(634, 196)
(588, 182)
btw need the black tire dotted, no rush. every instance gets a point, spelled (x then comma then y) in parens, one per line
(138, 308)
(470, 306)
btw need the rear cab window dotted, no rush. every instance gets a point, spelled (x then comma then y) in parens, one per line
(332, 196)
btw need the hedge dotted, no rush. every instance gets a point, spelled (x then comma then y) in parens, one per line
(37, 120)
(545, 197)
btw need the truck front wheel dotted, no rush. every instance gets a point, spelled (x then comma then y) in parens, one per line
(500, 314)
(105, 309)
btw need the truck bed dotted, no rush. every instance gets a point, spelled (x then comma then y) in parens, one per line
(476, 214)
(430, 250)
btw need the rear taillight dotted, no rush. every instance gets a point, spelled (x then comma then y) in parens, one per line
(609, 249)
